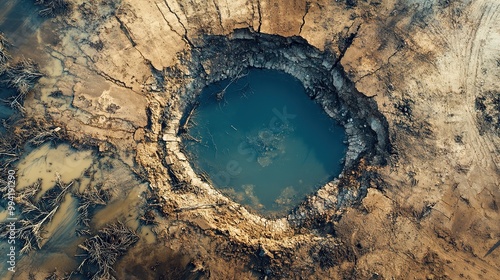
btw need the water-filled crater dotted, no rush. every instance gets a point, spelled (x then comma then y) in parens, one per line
(260, 139)
(269, 120)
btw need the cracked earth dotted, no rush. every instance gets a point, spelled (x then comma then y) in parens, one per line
(120, 71)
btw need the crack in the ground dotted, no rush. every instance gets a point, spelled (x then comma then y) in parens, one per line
(125, 30)
(220, 15)
(51, 50)
(108, 119)
(348, 43)
(308, 6)
(113, 80)
(260, 15)
(168, 23)
(186, 38)
(379, 68)
(128, 34)
(101, 73)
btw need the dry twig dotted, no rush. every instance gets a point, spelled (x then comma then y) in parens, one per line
(105, 248)
(220, 95)
(22, 76)
(89, 199)
(53, 7)
(35, 214)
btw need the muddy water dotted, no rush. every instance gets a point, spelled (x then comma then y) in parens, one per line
(45, 163)
(60, 243)
(263, 142)
(48, 162)
(30, 35)
(84, 169)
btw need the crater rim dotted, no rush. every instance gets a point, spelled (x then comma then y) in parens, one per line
(323, 79)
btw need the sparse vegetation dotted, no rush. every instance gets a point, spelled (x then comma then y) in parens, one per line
(405, 107)
(56, 94)
(488, 112)
(112, 108)
(12, 143)
(21, 76)
(329, 254)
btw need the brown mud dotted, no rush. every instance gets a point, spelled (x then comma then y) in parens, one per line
(419, 79)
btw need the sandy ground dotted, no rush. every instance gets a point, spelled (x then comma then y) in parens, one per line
(433, 214)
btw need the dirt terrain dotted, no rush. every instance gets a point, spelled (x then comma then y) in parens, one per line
(119, 76)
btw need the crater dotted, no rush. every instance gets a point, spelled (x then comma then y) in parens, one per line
(261, 140)
(218, 75)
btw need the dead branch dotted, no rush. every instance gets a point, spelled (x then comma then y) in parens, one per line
(89, 199)
(63, 190)
(22, 76)
(42, 137)
(26, 197)
(104, 249)
(35, 214)
(220, 95)
(52, 275)
(13, 142)
(30, 230)
(4, 42)
(53, 8)
(185, 126)
(190, 137)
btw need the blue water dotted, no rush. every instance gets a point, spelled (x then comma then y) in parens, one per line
(264, 143)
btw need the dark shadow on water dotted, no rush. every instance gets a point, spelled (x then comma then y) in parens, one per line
(263, 142)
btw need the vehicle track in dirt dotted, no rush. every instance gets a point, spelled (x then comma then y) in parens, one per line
(489, 17)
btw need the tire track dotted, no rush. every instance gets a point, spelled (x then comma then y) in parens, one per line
(481, 145)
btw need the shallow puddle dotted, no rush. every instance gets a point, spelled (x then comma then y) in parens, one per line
(47, 162)
(84, 169)
(262, 141)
